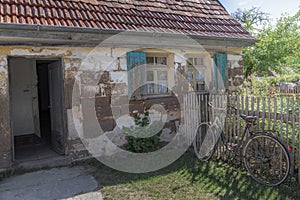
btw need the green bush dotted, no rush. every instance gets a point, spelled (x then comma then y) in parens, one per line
(140, 139)
(141, 145)
(265, 86)
(289, 78)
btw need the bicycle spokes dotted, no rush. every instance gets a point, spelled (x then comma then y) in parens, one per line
(266, 160)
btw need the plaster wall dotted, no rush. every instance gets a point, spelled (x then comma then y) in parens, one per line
(89, 73)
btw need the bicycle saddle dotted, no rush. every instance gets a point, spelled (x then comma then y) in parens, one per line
(248, 118)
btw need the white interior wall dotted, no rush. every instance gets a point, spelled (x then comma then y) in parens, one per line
(22, 85)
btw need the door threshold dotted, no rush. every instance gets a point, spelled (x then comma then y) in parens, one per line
(49, 162)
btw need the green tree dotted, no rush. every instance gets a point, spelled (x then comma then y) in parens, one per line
(278, 48)
(251, 18)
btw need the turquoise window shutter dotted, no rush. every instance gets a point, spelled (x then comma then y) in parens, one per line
(220, 71)
(135, 59)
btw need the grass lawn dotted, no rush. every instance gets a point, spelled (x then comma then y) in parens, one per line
(189, 179)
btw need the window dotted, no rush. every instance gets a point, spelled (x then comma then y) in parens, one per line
(196, 73)
(157, 75)
(196, 61)
(150, 69)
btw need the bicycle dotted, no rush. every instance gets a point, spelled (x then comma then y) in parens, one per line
(264, 156)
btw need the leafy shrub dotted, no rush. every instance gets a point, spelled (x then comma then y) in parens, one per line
(141, 145)
(266, 86)
(141, 138)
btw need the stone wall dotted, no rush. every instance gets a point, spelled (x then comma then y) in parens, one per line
(235, 71)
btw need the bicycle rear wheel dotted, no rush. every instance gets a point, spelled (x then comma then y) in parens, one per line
(204, 142)
(266, 159)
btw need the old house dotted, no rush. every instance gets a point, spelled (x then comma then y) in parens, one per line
(55, 53)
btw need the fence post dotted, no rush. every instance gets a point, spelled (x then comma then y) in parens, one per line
(281, 118)
(287, 121)
(258, 112)
(269, 113)
(275, 114)
(293, 135)
(252, 105)
(263, 112)
(298, 140)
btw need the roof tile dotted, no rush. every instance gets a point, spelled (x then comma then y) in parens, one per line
(198, 17)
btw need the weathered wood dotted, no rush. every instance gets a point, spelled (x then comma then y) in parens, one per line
(234, 124)
(192, 113)
(247, 105)
(252, 105)
(228, 119)
(281, 118)
(263, 112)
(275, 113)
(257, 110)
(243, 110)
(298, 140)
(286, 121)
(293, 137)
(186, 111)
(269, 113)
(238, 103)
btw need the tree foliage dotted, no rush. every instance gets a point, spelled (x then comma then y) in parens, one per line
(278, 48)
(251, 18)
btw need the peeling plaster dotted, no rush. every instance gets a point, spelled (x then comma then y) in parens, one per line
(234, 57)
(118, 77)
(72, 64)
(3, 75)
(2, 69)
(41, 52)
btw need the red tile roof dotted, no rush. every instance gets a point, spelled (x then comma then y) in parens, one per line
(192, 17)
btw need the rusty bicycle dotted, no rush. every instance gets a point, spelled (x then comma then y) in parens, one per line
(265, 156)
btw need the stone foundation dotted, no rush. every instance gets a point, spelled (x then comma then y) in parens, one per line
(77, 150)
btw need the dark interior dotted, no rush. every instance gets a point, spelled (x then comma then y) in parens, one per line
(44, 102)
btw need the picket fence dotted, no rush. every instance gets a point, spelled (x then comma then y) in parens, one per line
(279, 114)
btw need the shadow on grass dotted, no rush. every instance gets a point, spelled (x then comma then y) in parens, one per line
(223, 181)
(235, 182)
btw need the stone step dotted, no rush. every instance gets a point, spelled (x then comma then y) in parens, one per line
(50, 162)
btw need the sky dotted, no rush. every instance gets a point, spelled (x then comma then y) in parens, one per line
(274, 7)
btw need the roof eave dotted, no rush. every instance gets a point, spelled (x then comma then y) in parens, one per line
(39, 27)
(47, 28)
(248, 41)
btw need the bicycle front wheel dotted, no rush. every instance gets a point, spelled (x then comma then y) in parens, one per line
(266, 159)
(204, 142)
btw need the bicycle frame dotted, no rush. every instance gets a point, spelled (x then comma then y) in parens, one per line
(240, 138)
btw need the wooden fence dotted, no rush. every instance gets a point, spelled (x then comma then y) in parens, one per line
(288, 88)
(279, 114)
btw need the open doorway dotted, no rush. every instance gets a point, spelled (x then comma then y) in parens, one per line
(37, 112)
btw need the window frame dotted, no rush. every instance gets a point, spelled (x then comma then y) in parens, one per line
(155, 68)
(194, 68)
